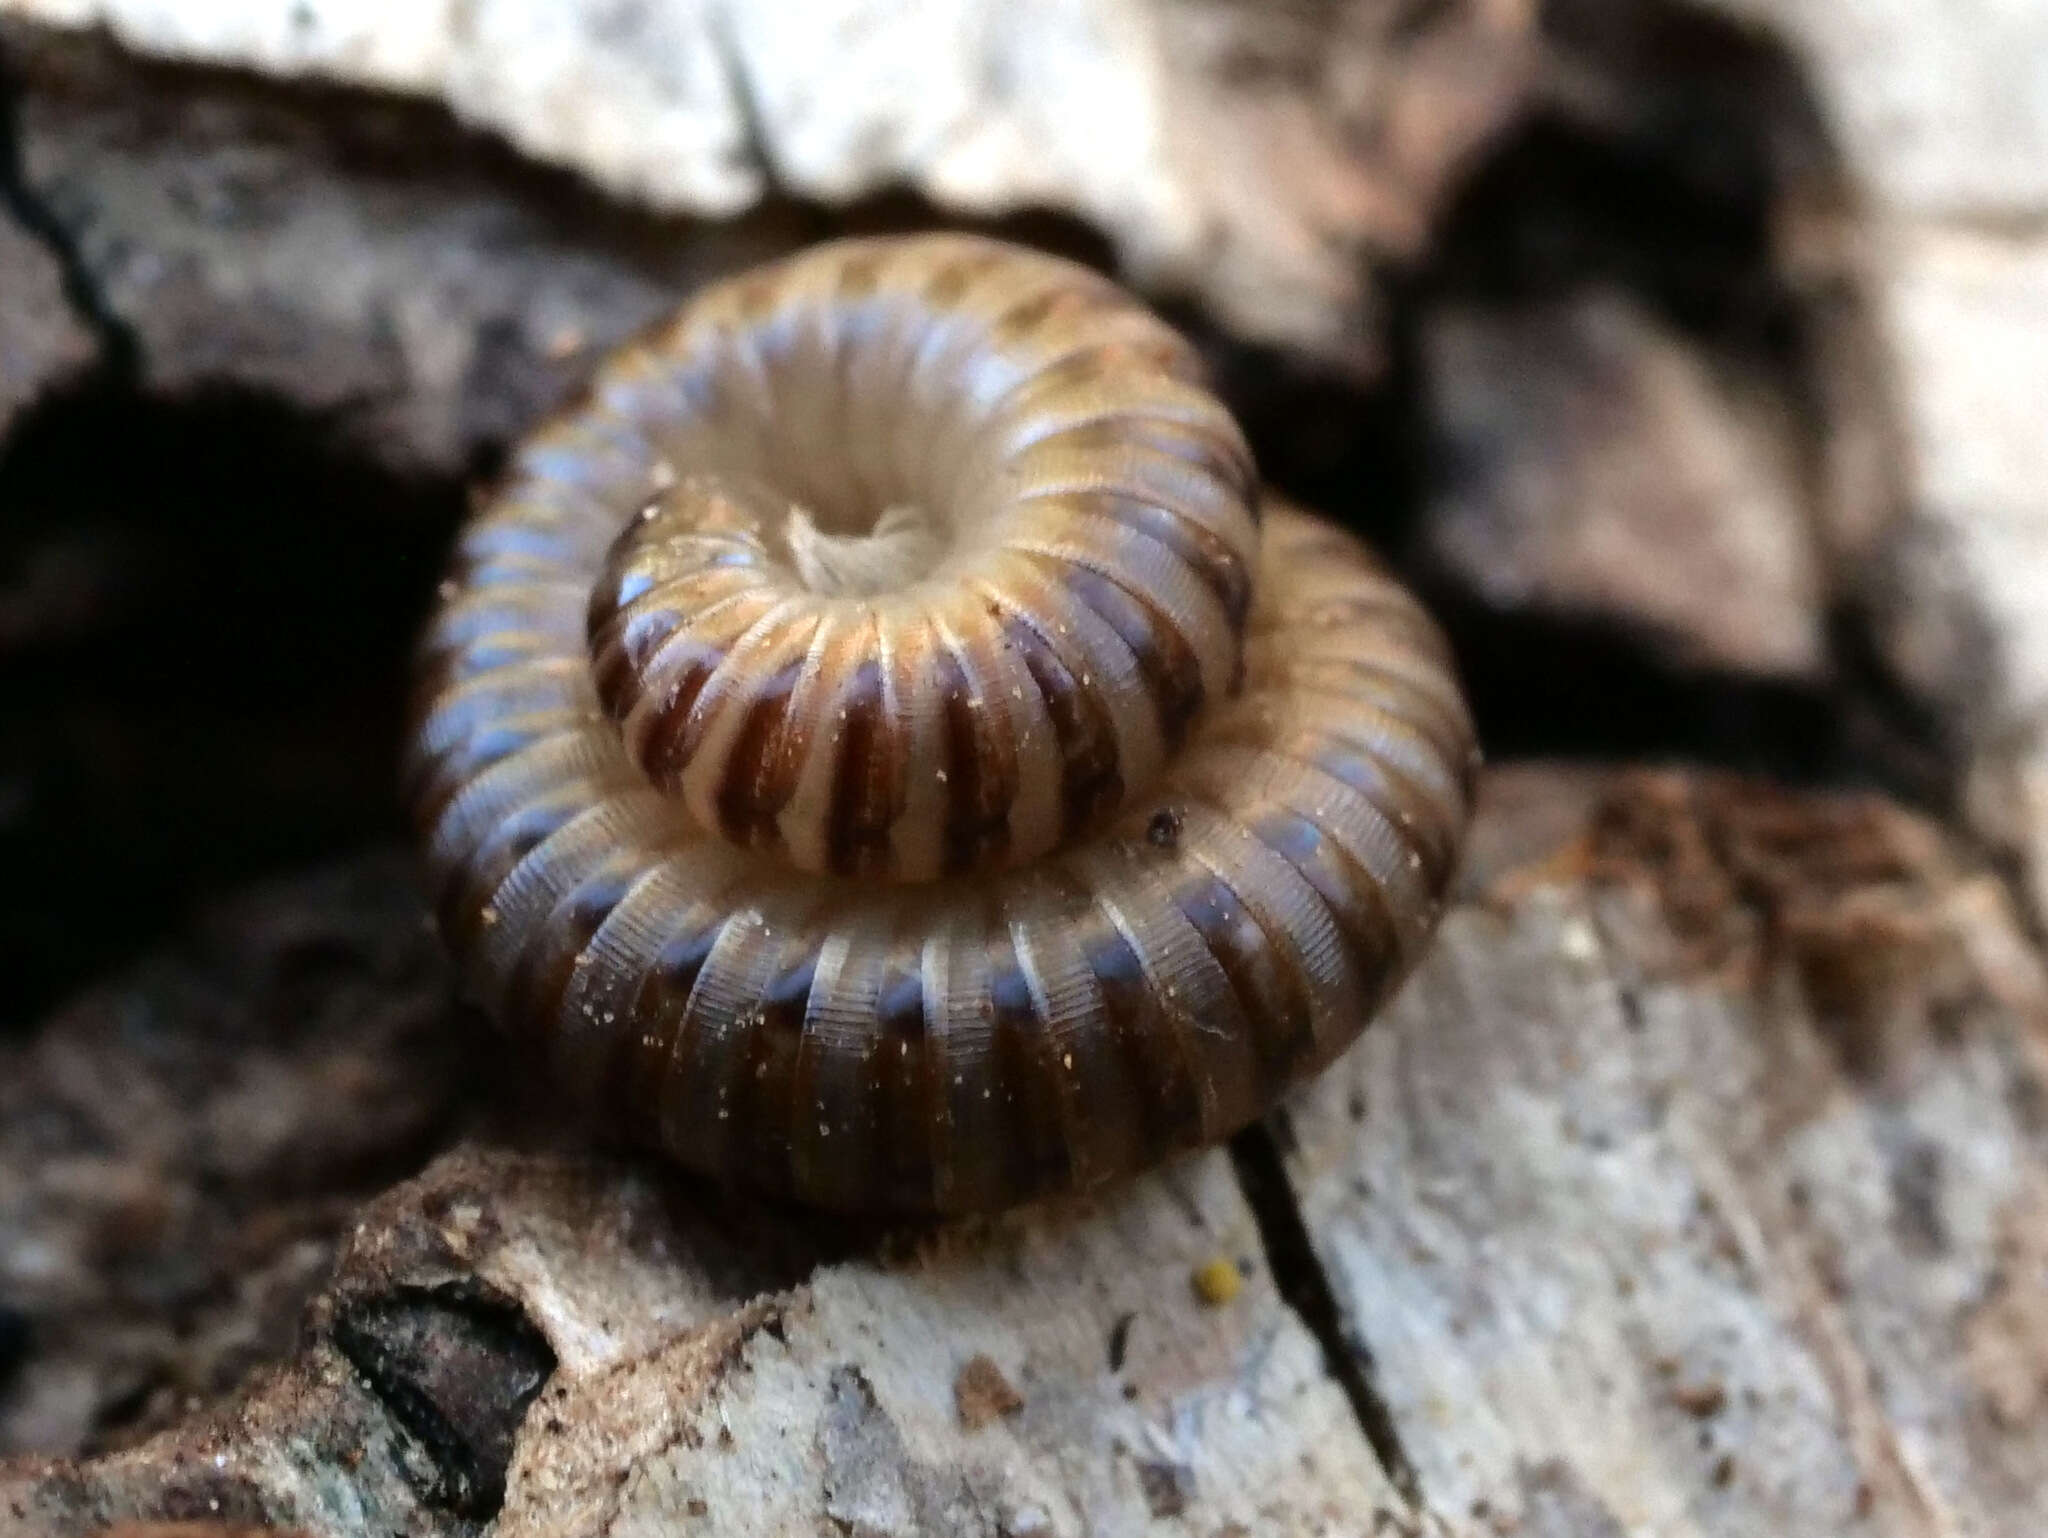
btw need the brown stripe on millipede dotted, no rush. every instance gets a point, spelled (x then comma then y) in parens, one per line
(1029, 315)
(1362, 698)
(759, 773)
(763, 1104)
(1173, 676)
(1221, 458)
(949, 280)
(1038, 1119)
(1063, 369)
(1269, 990)
(465, 904)
(622, 647)
(858, 277)
(1090, 781)
(666, 739)
(1168, 1107)
(639, 1073)
(1380, 780)
(1354, 899)
(980, 773)
(540, 978)
(1209, 558)
(908, 1095)
(867, 795)
(664, 715)
(1089, 1071)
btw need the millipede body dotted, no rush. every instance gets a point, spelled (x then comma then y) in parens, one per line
(874, 748)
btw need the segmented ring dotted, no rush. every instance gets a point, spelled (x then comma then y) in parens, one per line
(873, 750)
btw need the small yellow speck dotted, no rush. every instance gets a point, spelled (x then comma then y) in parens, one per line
(1578, 941)
(1217, 1282)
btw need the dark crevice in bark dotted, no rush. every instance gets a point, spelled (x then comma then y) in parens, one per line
(732, 63)
(15, 1343)
(1550, 686)
(1255, 1154)
(210, 604)
(457, 1367)
(118, 353)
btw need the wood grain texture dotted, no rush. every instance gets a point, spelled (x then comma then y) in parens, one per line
(835, 1407)
(1699, 1182)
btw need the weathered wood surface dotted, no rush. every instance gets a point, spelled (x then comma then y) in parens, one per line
(1697, 1185)
(1251, 156)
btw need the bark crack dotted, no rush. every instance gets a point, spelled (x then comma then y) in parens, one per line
(1305, 1286)
(746, 96)
(115, 341)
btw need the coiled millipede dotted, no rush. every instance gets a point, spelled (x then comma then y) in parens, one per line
(873, 750)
